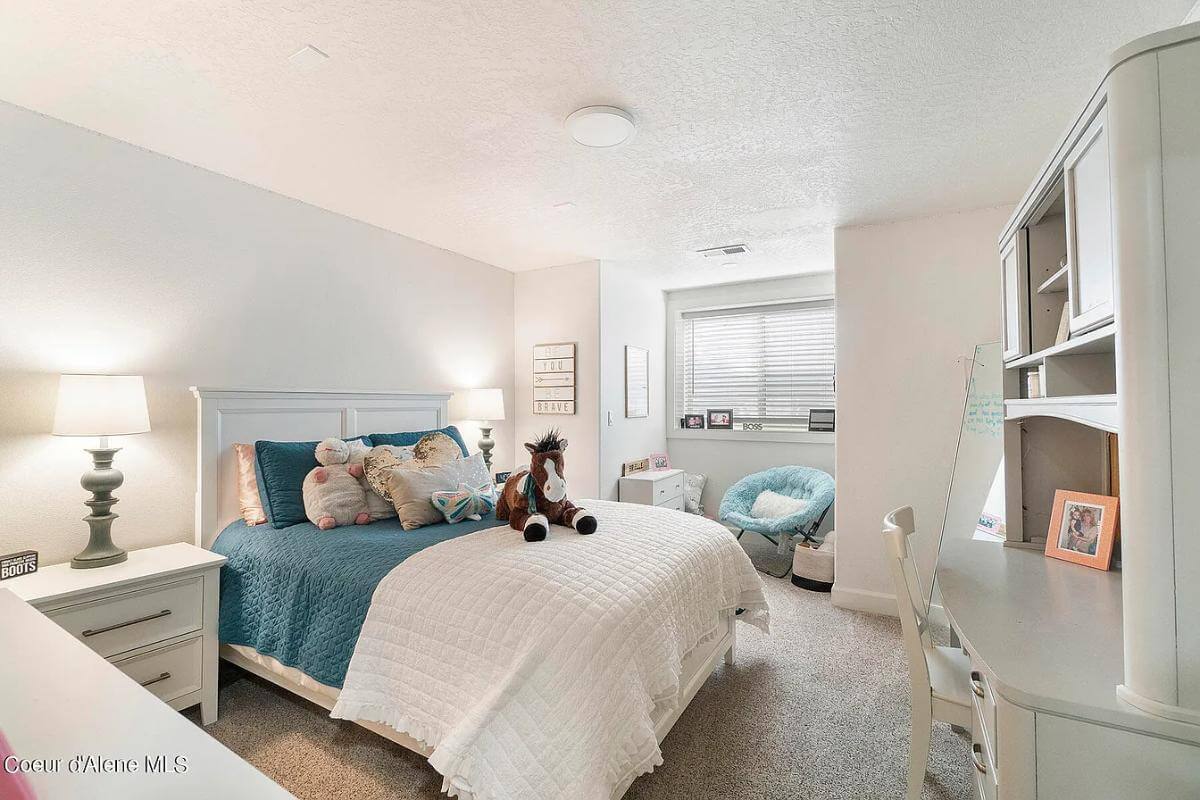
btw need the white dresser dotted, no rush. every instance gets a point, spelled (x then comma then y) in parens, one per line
(154, 617)
(663, 488)
(82, 729)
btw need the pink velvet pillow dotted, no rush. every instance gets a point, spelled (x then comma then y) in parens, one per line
(247, 486)
(13, 785)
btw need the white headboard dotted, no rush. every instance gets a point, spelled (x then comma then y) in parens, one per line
(228, 416)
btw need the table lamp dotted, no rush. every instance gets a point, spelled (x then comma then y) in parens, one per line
(101, 406)
(484, 406)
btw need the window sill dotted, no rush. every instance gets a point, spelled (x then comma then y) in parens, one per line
(807, 437)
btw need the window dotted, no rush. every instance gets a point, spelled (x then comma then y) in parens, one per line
(769, 363)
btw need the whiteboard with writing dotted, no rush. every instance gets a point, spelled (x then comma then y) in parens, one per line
(975, 501)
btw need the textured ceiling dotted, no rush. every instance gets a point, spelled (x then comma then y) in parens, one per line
(767, 122)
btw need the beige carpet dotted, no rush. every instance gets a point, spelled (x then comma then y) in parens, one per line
(817, 710)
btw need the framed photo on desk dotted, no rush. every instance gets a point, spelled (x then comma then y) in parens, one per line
(1083, 528)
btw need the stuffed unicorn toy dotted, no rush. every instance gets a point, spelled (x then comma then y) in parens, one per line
(536, 498)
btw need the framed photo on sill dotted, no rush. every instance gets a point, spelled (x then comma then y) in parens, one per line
(693, 422)
(720, 419)
(1083, 528)
(821, 420)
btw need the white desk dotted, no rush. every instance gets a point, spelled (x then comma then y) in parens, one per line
(1045, 642)
(59, 700)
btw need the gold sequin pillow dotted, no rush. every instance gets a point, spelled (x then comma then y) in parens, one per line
(436, 448)
(378, 464)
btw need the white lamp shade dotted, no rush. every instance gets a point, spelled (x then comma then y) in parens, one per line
(101, 405)
(481, 405)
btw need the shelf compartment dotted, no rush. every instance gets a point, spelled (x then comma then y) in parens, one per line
(1055, 283)
(1101, 340)
(1096, 410)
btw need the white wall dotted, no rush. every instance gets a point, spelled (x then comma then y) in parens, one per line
(115, 259)
(632, 312)
(913, 297)
(727, 456)
(561, 304)
(1193, 15)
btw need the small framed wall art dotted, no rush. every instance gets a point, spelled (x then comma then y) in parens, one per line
(1083, 528)
(720, 419)
(554, 378)
(637, 382)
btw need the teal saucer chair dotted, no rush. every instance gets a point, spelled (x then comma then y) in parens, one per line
(815, 487)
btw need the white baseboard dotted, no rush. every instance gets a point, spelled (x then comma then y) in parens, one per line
(878, 603)
(864, 600)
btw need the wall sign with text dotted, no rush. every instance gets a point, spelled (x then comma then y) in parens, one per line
(554, 378)
(14, 565)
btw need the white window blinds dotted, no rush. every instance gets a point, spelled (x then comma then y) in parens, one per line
(769, 363)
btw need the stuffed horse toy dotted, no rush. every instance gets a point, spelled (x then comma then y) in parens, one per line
(536, 498)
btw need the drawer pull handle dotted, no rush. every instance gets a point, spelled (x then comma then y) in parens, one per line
(977, 759)
(166, 612)
(976, 683)
(152, 681)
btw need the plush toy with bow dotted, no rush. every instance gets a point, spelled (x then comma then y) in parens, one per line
(332, 494)
(536, 498)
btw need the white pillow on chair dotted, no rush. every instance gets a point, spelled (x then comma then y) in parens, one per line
(773, 505)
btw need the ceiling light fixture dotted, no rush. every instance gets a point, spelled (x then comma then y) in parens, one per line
(308, 56)
(600, 126)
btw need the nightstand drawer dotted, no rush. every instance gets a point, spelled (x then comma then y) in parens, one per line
(122, 622)
(675, 502)
(169, 672)
(652, 488)
(668, 489)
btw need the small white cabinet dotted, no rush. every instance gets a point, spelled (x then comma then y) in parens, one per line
(1089, 228)
(154, 617)
(1014, 262)
(663, 488)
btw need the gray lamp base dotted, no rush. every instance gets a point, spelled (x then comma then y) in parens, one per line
(485, 446)
(101, 482)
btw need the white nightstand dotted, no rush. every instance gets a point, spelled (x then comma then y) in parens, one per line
(663, 488)
(154, 617)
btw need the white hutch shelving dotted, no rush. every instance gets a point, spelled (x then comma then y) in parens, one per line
(1087, 683)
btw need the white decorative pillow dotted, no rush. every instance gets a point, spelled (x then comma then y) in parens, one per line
(693, 487)
(772, 505)
(466, 502)
(412, 485)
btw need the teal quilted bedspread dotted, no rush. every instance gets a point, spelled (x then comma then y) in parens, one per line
(300, 594)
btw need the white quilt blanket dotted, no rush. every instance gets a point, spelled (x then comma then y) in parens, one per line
(534, 670)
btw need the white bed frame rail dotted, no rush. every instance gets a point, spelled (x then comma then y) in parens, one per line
(229, 416)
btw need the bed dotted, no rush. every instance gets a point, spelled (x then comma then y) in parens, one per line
(347, 620)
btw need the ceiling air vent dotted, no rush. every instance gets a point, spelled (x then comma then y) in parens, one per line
(724, 251)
